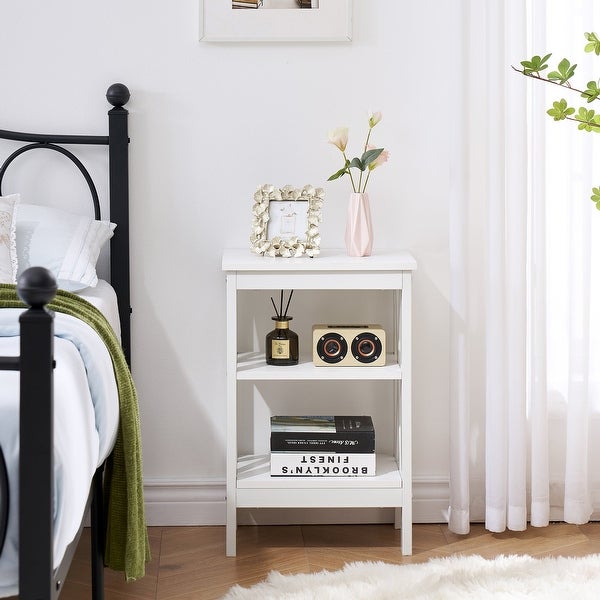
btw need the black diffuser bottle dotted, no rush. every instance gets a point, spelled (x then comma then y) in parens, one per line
(281, 346)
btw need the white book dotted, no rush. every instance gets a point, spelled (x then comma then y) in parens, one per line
(322, 464)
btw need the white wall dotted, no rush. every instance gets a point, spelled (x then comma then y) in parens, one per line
(210, 122)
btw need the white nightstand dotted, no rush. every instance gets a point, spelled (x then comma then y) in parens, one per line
(249, 484)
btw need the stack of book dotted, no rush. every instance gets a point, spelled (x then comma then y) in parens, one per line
(311, 446)
(246, 3)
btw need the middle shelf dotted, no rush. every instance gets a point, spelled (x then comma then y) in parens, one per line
(251, 366)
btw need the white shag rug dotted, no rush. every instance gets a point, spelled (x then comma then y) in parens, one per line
(452, 578)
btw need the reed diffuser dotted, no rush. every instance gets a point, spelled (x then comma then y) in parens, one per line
(281, 347)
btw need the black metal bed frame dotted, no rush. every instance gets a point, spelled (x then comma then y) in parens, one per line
(36, 287)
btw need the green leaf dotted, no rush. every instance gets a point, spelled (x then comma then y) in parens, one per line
(584, 114)
(370, 155)
(595, 197)
(338, 174)
(356, 162)
(535, 65)
(565, 71)
(594, 43)
(588, 119)
(592, 91)
(560, 110)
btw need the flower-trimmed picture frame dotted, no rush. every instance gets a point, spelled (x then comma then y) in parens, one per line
(285, 221)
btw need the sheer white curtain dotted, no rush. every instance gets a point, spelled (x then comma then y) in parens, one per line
(524, 360)
(573, 277)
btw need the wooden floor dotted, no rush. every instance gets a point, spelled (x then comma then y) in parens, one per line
(189, 563)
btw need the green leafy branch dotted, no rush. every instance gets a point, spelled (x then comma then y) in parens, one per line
(586, 119)
(361, 163)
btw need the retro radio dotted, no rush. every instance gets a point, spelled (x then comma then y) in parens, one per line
(348, 345)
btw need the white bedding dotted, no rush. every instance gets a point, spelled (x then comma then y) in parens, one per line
(86, 417)
(104, 298)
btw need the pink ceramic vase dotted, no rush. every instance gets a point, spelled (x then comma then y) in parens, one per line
(359, 232)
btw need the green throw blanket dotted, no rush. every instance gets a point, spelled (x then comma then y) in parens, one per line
(127, 547)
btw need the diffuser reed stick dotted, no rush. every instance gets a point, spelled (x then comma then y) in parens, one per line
(281, 314)
(288, 304)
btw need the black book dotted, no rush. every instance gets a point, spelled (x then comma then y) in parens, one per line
(322, 434)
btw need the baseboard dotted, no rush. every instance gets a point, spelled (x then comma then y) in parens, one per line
(179, 502)
(202, 502)
(431, 499)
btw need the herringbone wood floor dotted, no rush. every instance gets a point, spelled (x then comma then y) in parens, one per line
(189, 563)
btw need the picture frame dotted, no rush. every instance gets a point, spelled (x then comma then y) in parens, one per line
(285, 221)
(331, 21)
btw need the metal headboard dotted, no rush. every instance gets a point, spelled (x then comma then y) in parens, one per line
(66, 153)
(117, 141)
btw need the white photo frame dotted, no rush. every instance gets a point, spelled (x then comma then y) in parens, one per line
(285, 222)
(330, 22)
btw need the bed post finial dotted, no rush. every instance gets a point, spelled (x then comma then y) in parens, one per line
(117, 94)
(36, 287)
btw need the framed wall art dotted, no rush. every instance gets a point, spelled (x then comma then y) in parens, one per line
(285, 221)
(275, 20)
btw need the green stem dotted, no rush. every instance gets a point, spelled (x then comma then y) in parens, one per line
(368, 138)
(364, 150)
(366, 181)
(350, 173)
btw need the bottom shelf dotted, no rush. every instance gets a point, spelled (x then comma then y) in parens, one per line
(256, 488)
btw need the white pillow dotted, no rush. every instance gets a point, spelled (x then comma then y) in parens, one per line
(8, 247)
(66, 244)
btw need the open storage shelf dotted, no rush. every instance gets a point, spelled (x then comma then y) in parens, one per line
(249, 483)
(251, 366)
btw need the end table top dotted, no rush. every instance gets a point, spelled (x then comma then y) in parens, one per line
(242, 259)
